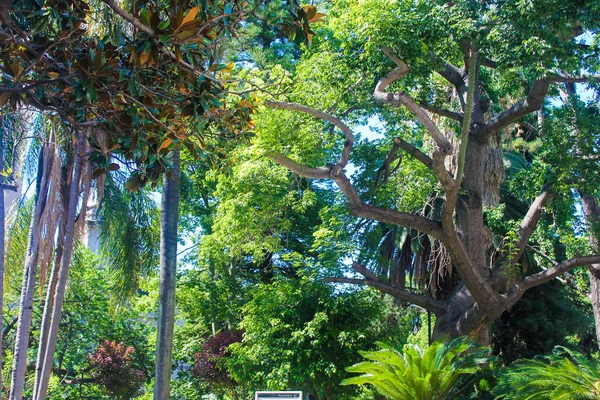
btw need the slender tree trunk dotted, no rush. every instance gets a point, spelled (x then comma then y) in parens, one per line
(591, 212)
(2, 234)
(168, 270)
(53, 281)
(42, 388)
(46, 318)
(29, 272)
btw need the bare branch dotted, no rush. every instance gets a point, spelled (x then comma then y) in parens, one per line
(402, 98)
(300, 169)
(534, 280)
(442, 112)
(529, 224)
(384, 214)
(343, 161)
(532, 102)
(24, 89)
(413, 151)
(357, 207)
(451, 73)
(12, 188)
(436, 306)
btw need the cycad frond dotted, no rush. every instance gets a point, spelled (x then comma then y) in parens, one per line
(563, 375)
(415, 374)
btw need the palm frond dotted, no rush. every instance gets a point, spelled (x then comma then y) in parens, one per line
(128, 240)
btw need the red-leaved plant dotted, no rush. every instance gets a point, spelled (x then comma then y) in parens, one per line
(113, 366)
(209, 363)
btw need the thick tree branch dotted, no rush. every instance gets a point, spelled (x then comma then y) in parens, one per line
(357, 207)
(451, 73)
(301, 169)
(345, 157)
(413, 151)
(531, 103)
(402, 98)
(12, 188)
(529, 223)
(442, 112)
(466, 123)
(428, 303)
(383, 214)
(540, 278)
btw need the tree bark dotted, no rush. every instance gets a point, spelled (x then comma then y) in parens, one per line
(2, 246)
(168, 271)
(42, 389)
(51, 291)
(46, 318)
(29, 272)
(591, 212)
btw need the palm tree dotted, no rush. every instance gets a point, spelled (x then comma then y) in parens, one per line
(67, 251)
(168, 270)
(437, 373)
(563, 375)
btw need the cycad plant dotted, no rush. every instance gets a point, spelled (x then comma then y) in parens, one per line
(565, 375)
(439, 372)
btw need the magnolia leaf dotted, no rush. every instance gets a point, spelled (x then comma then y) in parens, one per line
(165, 144)
(145, 16)
(145, 57)
(133, 183)
(98, 172)
(4, 98)
(191, 15)
(178, 54)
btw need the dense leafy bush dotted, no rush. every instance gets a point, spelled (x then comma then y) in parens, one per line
(114, 366)
(209, 365)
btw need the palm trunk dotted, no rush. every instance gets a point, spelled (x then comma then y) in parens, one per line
(2, 234)
(591, 212)
(29, 272)
(168, 271)
(42, 388)
(46, 318)
(51, 291)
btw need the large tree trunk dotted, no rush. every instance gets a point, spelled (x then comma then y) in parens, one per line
(591, 212)
(168, 270)
(29, 273)
(61, 285)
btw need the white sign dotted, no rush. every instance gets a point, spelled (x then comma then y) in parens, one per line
(278, 396)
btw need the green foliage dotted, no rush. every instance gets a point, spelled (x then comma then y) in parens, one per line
(88, 320)
(565, 374)
(436, 372)
(129, 235)
(300, 334)
(546, 316)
